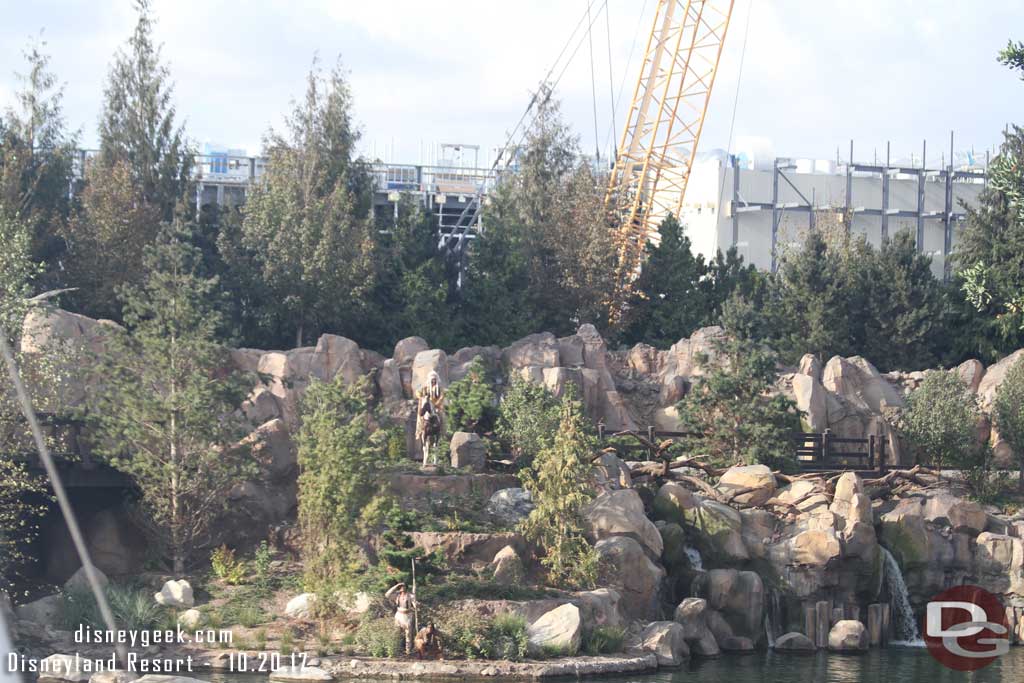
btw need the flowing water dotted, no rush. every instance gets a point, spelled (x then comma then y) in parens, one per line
(903, 621)
(890, 665)
(693, 555)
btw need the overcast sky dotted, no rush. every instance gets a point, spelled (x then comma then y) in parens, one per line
(816, 72)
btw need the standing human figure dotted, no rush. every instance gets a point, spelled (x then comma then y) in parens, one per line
(430, 417)
(405, 606)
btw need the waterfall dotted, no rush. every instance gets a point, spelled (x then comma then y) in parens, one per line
(903, 622)
(693, 555)
(772, 614)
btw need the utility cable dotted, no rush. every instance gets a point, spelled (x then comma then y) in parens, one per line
(611, 82)
(593, 84)
(735, 101)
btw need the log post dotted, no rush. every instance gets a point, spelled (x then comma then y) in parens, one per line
(810, 629)
(886, 623)
(822, 615)
(875, 624)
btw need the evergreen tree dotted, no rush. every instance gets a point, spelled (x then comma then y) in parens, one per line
(166, 412)
(36, 156)
(306, 232)
(470, 402)
(673, 299)
(340, 454)
(559, 485)
(1008, 412)
(137, 127)
(990, 250)
(733, 405)
(905, 317)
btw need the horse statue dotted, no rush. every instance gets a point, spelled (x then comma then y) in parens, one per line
(429, 420)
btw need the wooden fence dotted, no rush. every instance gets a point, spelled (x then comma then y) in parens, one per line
(814, 452)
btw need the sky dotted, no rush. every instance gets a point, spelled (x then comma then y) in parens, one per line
(815, 73)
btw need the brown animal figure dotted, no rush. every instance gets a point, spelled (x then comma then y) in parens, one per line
(428, 643)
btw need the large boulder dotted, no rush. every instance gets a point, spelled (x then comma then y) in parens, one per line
(943, 507)
(556, 380)
(62, 669)
(468, 450)
(79, 581)
(794, 642)
(666, 640)
(621, 513)
(426, 362)
(42, 611)
(738, 595)
(539, 350)
(557, 631)
(176, 593)
(692, 615)
(994, 376)
(507, 567)
(627, 569)
(971, 372)
(719, 528)
(406, 350)
(809, 395)
(115, 544)
(848, 636)
(610, 473)
(859, 382)
(302, 606)
(510, 506)
(335, 356)
(272, 447)
(672, 503)
(757, 482)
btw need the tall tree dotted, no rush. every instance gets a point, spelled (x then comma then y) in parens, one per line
(306, 230)
(138, 127)
(165, 411)
(733, 405)
(1008, 413)
(559, 484)
(673, 298)
(36, 156)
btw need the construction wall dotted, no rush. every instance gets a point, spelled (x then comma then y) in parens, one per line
(707, 212)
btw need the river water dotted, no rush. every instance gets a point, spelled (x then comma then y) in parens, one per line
(891, 665)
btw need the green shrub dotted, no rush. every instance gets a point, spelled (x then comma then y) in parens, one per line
(133, 608)
(261, 566)
(604, 640)
(287, 644)
(250, 616)
(940, 422)
(507, 637)
(471, 636)
(379, 637)
(227, 568)
(260, 639)
(527, 420)
(470, 404)
(1008, 411)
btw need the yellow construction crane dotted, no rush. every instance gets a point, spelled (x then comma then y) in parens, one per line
(652, 165)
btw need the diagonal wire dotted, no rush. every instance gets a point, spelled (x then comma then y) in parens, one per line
(611, 81)
(625, 73)
(736, 99)
(593, 83)
(60, 493)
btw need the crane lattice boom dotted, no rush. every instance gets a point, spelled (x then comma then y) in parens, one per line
(660, 138)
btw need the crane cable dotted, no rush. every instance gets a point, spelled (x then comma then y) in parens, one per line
(735, 100)
(91, 573)
(625, 73)
(611, 82)
(593, 83)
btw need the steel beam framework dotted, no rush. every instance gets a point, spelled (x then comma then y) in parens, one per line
(659, 141)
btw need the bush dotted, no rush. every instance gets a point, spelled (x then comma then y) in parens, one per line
(227, 568)
(527, 420)
(1008, 411)
(133, 608)
(940, 423)
(470, 402)
(261, 566)
(604, 640)
(379, 637)
(507, 637)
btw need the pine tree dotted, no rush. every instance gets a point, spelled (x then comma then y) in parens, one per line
(306, 231)
(733, 405)
(166, 412)
(137, 127)
(674, 300)
(559, 485)
(528, 417)
(36, 155)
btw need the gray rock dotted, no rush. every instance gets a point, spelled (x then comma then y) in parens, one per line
(299, 674)
(42, 611)
(301, 606)
(794, 642)
(61, 669)
(508, 567)
(666, 640)
(510, 506)
(79, 581)
(621, 513)
(559, 629)
(628, 569)
(176, 594)
(848, 636)
(468, 450)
